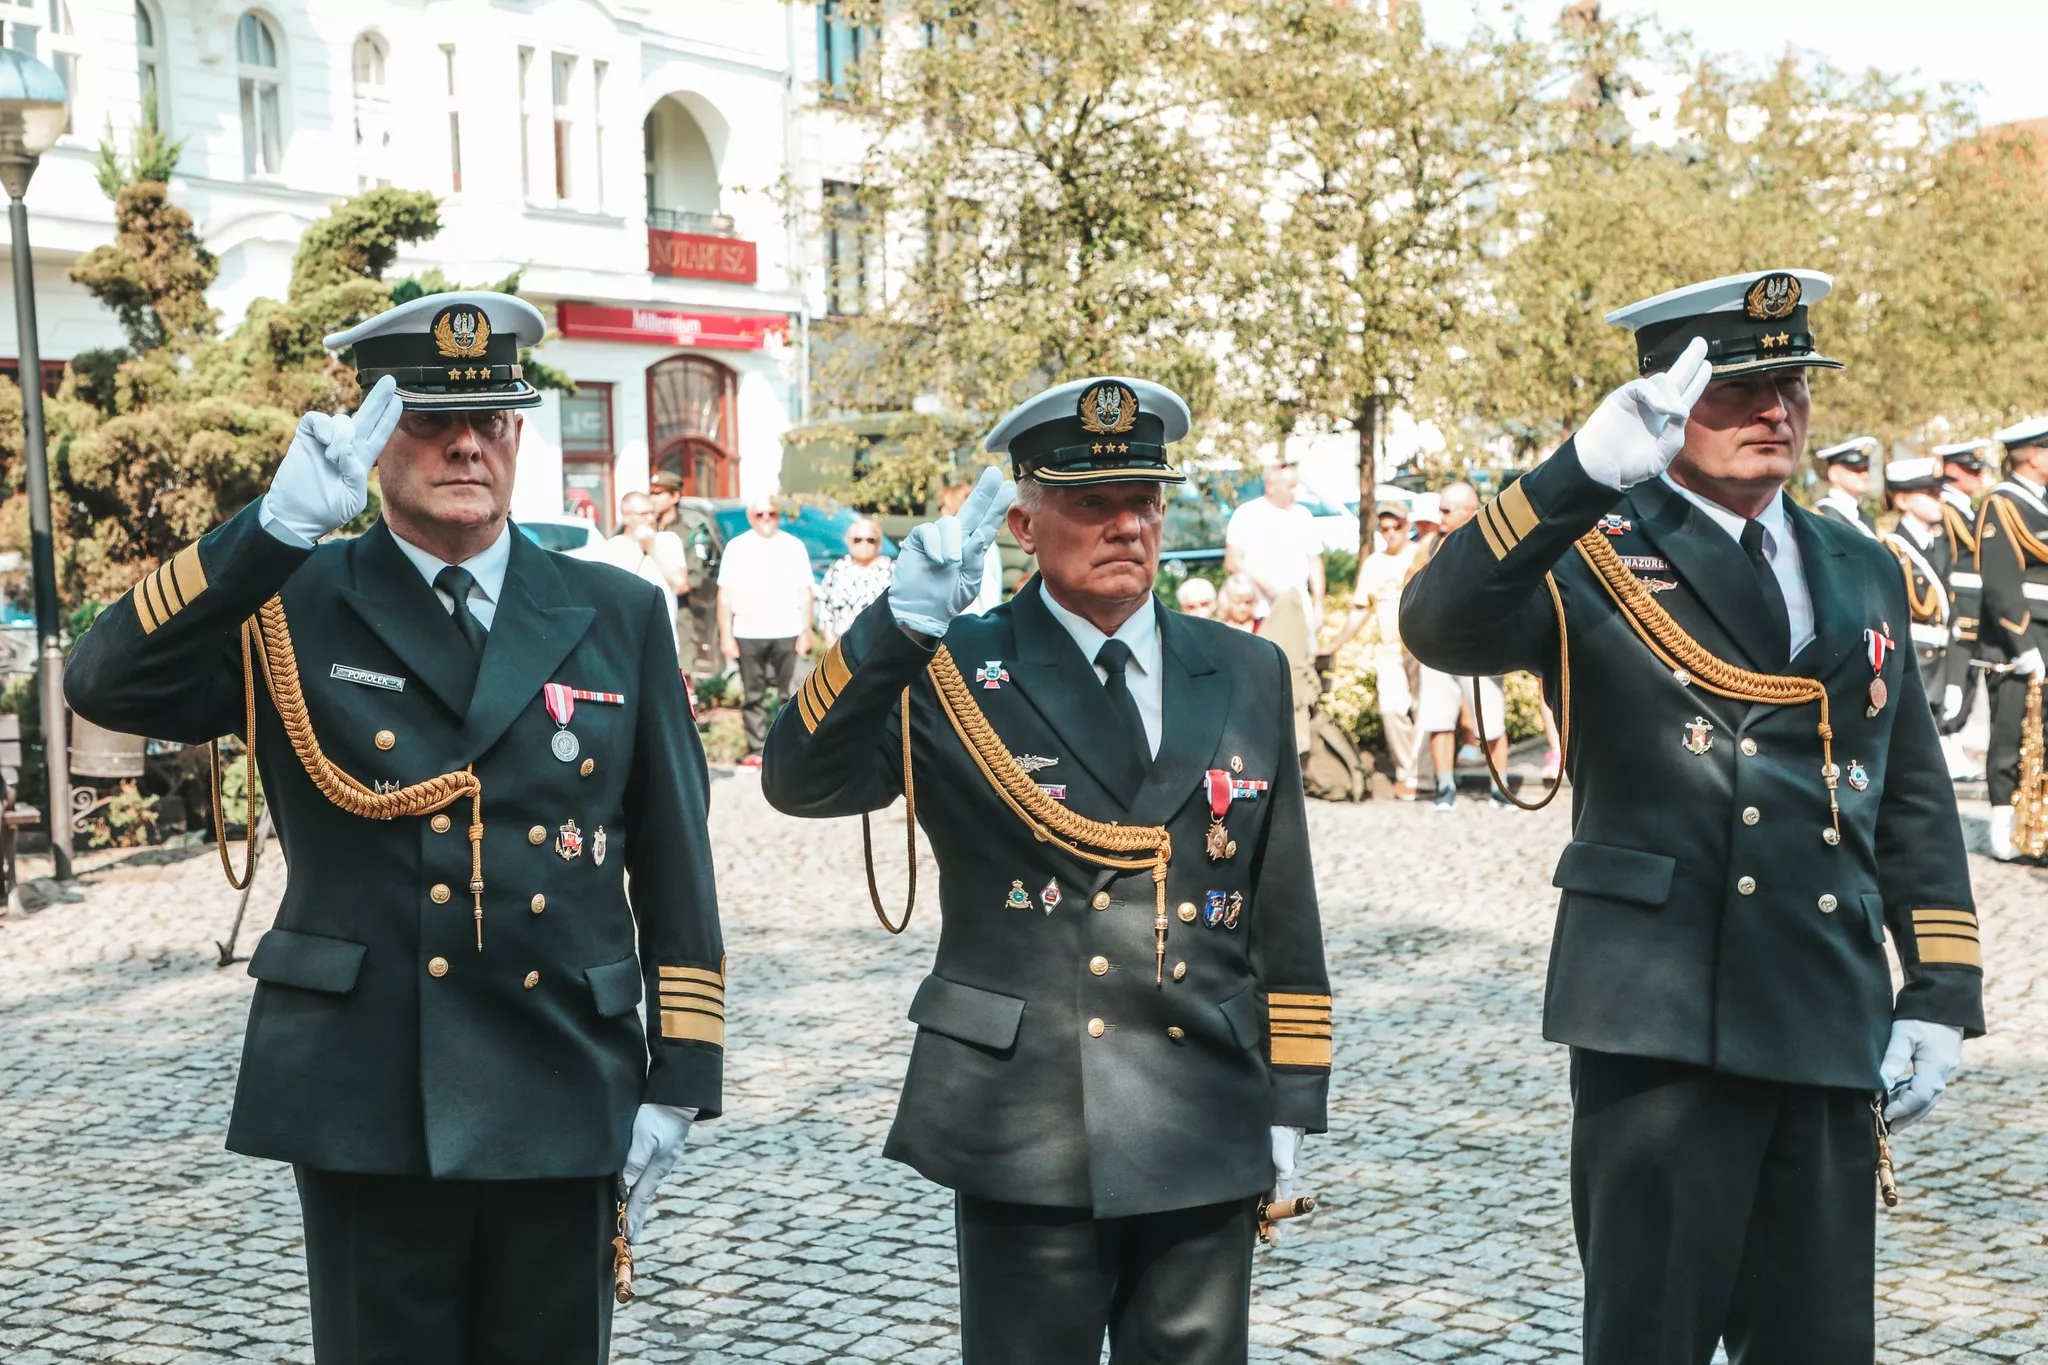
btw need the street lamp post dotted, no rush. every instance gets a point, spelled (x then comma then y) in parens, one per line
(32, 116)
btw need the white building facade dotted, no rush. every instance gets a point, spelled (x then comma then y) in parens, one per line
(644, 163)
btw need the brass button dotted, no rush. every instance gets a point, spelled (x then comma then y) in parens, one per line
(532, 980)
(1186, 912)
(385, 739)
(1236, 764)
(440, 893)
(1750, 815)
(1828, 904)
(1180, 969)
(1099, 965)
(437, 966)
(1748, 747)
(1746, 885)
(1101, 900)
(1176, 1032)
(540, 902)
(1831, 835)
(440, 823)
(537, 835)
(1096, 1028)
(589, 767)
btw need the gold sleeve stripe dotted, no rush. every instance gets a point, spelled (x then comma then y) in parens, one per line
(690, 1027)
(692, 1002)
(702, 976)
(155, 584)
(690, 990)
(834, 671)
(1950, 951)
(1301, 1052)
(145, 610)
(167, 588)
(808, 709)
(1299, 1030)
(1320, 1002)
(1945, 917)
(189, 573)
(1302, 1016)
(1493, 541)
(1513, 504)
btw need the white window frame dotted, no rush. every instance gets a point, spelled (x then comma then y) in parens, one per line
(151, 61)
(454, 119)
(526, 55)
(260, 158)
(562, 75)
(599, 70)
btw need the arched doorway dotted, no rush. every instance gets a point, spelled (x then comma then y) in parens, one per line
(691, 425)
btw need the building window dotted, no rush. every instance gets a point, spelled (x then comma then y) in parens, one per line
(587, 420)
(692, 425)
(526, 122)
(262, 111)
(454, 120)
(369, 64)
(149, 59)
(598, 71)
(564, 79)
(842, 44)
(373, 112)
(53, 373)
(846, 249)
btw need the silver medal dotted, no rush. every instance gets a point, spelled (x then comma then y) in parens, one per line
(565, 746)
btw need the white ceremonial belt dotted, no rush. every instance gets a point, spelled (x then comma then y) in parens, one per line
(2034, 592)
(1929, 635)
(1960, 579)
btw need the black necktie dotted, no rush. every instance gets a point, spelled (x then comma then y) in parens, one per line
(1778, 619)
(1134, 756)
(457, 583)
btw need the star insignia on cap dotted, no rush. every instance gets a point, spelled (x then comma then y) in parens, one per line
(455, 374)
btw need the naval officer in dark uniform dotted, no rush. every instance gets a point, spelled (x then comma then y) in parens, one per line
(468, 745)
(1912, 489)
(1758, 800)
(2012, 558)
(1962, 479)
(1127, 1027)
(1846, 467)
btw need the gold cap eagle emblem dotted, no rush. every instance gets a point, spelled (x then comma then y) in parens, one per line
(1772, 297)
(462, 332)
(1108, 409)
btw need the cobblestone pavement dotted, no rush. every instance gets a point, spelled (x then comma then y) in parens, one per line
(127, 1233)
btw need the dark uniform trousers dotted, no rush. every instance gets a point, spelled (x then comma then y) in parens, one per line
(456, 1108)
(1718, 965)
(2012, 560)
(1103, 1117)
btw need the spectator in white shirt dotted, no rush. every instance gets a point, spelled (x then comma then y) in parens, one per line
(1376, 604)
(1272, 539)
(764, 614)
(644, 552)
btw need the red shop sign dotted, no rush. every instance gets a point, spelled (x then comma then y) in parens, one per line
(692, 256)
(713, 331)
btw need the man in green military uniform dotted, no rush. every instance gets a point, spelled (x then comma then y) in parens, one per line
(1758, 798)
(446, 1038)
(1127, 1028)
(2012, 559)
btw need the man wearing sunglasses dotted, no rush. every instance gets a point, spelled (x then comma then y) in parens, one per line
(469, 744)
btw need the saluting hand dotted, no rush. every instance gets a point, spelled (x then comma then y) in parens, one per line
(938, 568)
(1638, 430)
(324, 480)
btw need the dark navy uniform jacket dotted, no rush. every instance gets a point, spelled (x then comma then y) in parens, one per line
(1705, 916)
(1049, 1067)
(2012, 558)
(380, 1039)
(1924, 572)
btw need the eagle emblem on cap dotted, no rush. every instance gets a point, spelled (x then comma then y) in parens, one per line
(1772, 297)
(461, 332)
(1108, 409)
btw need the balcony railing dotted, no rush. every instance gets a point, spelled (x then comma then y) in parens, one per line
(681, 220)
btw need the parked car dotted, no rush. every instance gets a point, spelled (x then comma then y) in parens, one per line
(565, 535)
(821, 529)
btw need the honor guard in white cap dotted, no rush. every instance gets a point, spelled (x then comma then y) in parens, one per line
(480, 1050)
(1962, 480)
(1912, 488)
(1760, 802)
(1126, 1030)
(2012, 560)
(1846, 467)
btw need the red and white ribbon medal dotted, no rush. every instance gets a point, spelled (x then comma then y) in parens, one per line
(1876, 647)
(561, 703)
(1216, 785)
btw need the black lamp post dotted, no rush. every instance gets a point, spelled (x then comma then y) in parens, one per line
(32, 117)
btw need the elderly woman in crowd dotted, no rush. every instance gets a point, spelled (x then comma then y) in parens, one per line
(854, 580)
(1197, 597)
(1237, 605)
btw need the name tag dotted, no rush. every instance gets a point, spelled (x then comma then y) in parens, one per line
(367, 678)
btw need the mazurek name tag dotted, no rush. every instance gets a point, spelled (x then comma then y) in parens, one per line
(367, 678)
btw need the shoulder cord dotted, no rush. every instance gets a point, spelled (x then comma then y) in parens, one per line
(867, 838)
(1692, 662)
(1564, 712)
(1958, 530)
(1048, 821)
(2024, 541)
(1924, 608)
(267, 643)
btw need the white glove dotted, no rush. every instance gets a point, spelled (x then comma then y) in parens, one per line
(658, 1133)
(1286, 1147)
(1639, 428)
(1951, 701)
(324, 479)
(939, 566)
(1930, 1054)
(2029, 663)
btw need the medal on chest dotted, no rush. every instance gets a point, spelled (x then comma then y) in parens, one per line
(561, 699)
(1218, 843)
(1877, 646)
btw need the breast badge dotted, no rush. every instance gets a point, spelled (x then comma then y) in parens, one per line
(1215, 905)
(1877, 646)
(1699, 736)
(1019, 898)
(569, 842)
(1216, 785)
(1614, 524)
(992, 675)
(1858, 777)
(597, 847)
(1050, 896)
(561, 699)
